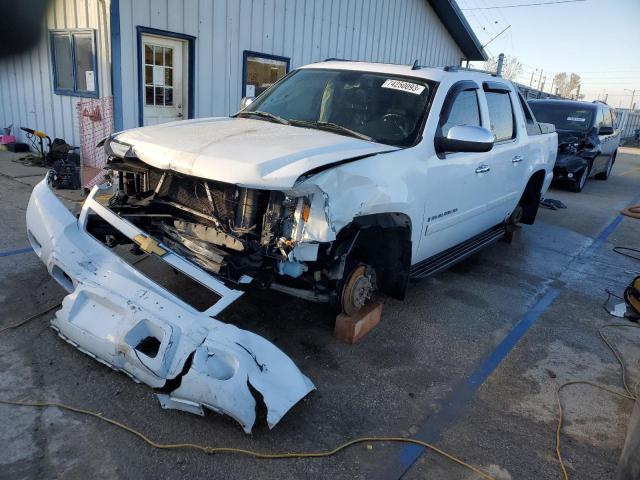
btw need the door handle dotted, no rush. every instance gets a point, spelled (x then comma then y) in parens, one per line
(483, 169)
(180, 115)
(516, 159)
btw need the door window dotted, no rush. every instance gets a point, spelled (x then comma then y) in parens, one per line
(607, 118)
(158, 75)
(501, 115)
(464, 111)
(599, 118)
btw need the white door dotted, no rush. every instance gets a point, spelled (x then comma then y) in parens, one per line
(508, 155)
(458, 186)
(164, 82)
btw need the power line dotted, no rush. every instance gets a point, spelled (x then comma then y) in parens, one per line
(523, 5)
(504, 30)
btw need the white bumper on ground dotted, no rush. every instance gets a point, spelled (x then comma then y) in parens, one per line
(112, 309)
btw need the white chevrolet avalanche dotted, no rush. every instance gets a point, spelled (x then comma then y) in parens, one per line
(342, 179)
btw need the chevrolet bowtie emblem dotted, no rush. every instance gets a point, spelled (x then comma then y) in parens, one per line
(149, 245)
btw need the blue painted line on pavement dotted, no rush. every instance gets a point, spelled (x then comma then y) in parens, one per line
(461, 396)
(8, 253)
(608, 230)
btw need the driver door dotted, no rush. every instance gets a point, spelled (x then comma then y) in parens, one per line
(458, 185)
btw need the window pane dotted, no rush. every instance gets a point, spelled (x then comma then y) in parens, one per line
(168, 76)
(63, 63)
(500, 115)
(148, 54)
(262, 73)
(148, 75)
(148, 95)
(168, 96)
(85, 76)
(158, 55)
(159, 96)
(464, 111)
(168, 57)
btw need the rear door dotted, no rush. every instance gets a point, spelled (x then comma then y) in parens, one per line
(509, 153)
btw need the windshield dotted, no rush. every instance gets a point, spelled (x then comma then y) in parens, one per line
(564, 117)
(374, 106)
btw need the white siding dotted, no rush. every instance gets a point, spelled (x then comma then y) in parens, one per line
(304, 30)
(26, 80)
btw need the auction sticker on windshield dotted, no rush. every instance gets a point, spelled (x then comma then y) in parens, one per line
(576, 119)
(403, 86)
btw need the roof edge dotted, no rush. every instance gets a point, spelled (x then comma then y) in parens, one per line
(456, 24)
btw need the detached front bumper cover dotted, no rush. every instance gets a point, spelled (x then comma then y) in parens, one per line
(113, 313)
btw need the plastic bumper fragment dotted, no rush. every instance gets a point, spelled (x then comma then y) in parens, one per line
(123, 319)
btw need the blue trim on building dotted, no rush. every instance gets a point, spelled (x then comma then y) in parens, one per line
(247, 53)
(191, 68)
(116, 63)
(70, 33)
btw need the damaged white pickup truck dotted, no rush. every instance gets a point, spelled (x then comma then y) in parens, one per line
(341, 180)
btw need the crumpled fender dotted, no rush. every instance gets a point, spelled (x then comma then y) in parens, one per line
(112, 309)
(572, 163)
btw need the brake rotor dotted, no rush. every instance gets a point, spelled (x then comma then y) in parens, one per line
(358, 289)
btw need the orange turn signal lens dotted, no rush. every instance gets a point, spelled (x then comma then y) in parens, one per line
(306, 210)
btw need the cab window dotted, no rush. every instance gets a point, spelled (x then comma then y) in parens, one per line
(607, 118)
(464, 111)
(501, 115)
(599, 118)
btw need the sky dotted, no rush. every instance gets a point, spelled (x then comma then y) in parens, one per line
(597, 39)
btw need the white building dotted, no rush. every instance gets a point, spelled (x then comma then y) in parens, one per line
(137, 62)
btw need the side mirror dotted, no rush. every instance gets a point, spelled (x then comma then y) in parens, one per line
(605, 131)
(465, 138)
(246, 101)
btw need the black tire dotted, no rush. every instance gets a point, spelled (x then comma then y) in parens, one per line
(607, 172)
(578, 184)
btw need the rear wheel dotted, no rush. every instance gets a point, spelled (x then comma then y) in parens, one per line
(578, 184)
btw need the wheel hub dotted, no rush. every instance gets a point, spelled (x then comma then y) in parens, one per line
(358, 289)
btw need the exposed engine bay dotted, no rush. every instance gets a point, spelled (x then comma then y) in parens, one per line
(230, 231)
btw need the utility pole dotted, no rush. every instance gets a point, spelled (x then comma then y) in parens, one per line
(633, 94)
(532, 74)
(500, 63)
(540, 78)
(553, 80)
(578, 93)
(544, 80)
(606, 97)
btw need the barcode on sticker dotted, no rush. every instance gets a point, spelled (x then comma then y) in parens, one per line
(414, 88)
(576, 119)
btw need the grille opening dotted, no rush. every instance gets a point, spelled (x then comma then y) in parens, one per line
(62, 278)
(184, 287)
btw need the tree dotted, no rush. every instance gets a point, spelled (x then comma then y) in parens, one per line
(511, 67)
(566, 84)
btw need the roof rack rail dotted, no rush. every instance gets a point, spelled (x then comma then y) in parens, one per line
(336, 59)
(600, 101)
(457, 68)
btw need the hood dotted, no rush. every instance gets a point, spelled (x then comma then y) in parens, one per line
(242, 151)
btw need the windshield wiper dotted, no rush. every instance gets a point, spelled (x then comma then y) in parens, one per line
(332, 127)
(266, 115)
